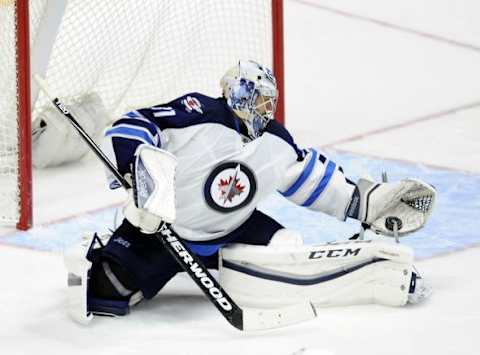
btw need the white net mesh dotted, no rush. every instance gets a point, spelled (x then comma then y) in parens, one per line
(137, 53)
(8, 123)
(132, 54)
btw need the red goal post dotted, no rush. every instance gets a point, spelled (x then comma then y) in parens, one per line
(129, 53)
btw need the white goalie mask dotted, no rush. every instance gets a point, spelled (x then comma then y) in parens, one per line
(251, 92)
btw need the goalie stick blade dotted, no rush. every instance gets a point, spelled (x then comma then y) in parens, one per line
(263, 319)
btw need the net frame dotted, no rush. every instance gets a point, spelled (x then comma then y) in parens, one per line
(24, 109)
(24, 114)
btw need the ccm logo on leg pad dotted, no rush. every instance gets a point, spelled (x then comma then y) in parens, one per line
(334, 253)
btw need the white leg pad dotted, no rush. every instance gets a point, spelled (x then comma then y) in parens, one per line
(78, 267)
(353, 272)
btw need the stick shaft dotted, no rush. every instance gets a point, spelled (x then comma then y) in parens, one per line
(189, 262)
(240, 318)
(88, 140)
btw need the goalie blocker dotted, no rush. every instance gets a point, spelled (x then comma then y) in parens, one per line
(335, 274)
(153, 202)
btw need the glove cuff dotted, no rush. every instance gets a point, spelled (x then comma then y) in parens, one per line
(148, 223)
(354, 206)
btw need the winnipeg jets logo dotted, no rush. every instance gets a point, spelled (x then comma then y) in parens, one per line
(192, 104)
(229, 186)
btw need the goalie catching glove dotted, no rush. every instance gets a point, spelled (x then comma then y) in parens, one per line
(405, 205)
(152, 199)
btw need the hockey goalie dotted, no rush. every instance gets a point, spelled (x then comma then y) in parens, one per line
(203, 164)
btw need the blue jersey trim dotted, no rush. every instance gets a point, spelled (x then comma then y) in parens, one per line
(303, 176)
(322, 185)
(204, 249)
(130, 132)
(138, 122)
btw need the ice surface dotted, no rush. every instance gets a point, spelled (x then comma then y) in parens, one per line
(346, 79)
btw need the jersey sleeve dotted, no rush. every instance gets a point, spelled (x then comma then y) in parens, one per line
(124, 137)
(147, 125)
(314, 181)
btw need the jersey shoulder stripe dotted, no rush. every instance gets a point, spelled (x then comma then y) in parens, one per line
(133, 132)
(141, 123)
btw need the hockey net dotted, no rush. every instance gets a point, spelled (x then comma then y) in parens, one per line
(130, 53)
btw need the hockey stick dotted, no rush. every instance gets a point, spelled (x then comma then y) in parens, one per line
(240, 318)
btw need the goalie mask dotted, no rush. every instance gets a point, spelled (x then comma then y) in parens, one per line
(251, 92)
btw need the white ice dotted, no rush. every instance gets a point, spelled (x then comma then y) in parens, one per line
(375, 98)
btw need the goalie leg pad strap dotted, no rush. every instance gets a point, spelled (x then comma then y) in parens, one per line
(146, 260)
(111, 290)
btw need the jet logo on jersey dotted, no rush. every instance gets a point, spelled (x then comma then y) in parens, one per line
(229, 187)
(192, 104)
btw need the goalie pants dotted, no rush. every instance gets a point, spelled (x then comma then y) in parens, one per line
(142, 262)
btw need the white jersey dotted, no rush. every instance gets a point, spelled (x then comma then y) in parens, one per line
(221, 177)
